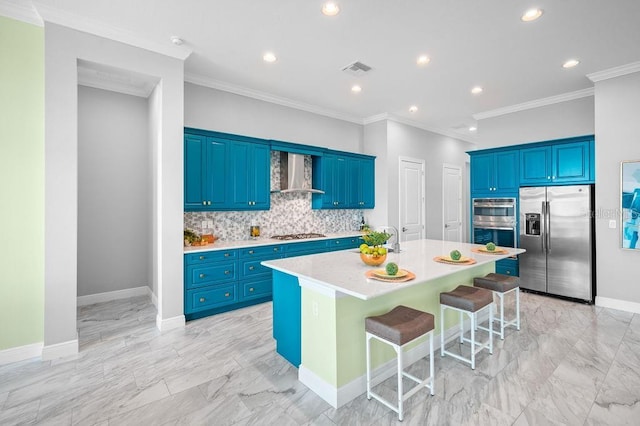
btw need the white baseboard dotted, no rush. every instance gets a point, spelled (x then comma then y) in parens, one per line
(21, 353)
(154, 299)
(621, 305)
(170, 323)
(60, 350)
(114, 295)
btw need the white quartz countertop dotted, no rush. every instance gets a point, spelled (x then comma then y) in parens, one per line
(263, 241)
(344, 272)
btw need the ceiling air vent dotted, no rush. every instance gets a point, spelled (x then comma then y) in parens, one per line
(357, 68)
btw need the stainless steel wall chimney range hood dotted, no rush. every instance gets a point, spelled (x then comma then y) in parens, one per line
(292, 174)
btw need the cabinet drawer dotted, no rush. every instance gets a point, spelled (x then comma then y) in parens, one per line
(345, 243)
(210, 256)
(256, 289)
(210, 297)
(507, 267)
(252, 268)
(202, 275)
(265, 252)
(305, 248)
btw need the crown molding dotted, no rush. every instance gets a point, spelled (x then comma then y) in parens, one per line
(614, 72)
(375, 118)
(21, 11)
(535, 103)
(91, 26)
(267, 97)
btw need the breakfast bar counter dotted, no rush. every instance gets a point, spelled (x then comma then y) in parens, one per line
(320, 303)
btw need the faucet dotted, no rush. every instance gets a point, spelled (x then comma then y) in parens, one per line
(396, 245)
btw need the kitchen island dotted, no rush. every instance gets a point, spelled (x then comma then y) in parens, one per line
(320, 303)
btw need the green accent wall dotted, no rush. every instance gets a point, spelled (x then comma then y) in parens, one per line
(333, 341)
(21, 183)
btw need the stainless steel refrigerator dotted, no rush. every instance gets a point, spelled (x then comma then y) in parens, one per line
(556, 229)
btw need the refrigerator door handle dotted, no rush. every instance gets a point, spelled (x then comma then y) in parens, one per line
(548, 230)
(543, 224)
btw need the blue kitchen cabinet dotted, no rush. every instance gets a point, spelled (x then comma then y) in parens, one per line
(344, 243)
(287, 317)
(250, 177)
(205, 170)
(361, 182)
(330, 175)
(494, 173)
(305, 247)
(558, 163)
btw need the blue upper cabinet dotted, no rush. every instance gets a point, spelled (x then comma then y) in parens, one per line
(558, 163)
(249, 176)
(225, 172)
(205, 166)
(494, 173)
(347, 181)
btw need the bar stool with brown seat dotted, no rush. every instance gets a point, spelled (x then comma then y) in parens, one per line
(471, 301)
(398, 328)
(500, 285)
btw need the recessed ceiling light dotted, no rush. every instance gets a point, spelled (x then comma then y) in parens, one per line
(477, 90)
(531, 15)
(423, 60)
(570, 63)
(473, 128)
(330, 9)
(356, 89)
(269, 57)
(413, 108)
(176, 40)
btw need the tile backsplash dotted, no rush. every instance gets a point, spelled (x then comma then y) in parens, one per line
(290, 213)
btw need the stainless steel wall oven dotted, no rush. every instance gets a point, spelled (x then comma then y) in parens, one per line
(495, 220)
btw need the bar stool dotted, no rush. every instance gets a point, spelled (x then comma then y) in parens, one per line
(398, 328)
(500, 285)
(467, 300)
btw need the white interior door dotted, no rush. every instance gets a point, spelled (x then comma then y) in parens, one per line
(451, 203)
(412, 202)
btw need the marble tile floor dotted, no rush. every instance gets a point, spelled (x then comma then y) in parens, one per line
(571, 364)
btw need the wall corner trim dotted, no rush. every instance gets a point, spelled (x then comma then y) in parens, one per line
(170, 323)
(621, 305)
(21, 353)
(60, 350)
(614, 72)
(23, 11)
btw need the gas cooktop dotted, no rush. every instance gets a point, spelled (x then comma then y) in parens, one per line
(297, 236)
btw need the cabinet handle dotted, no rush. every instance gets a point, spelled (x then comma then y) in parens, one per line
(202, 299)
(227, 272)
(202, 275)
(208, 203)
(251, 268)
(204, 203)
(226, 255)
(275, 249)
(251, 289)
(553, 177)
(337, 242)
(201, 257)
(250, 251)
(548, 177)
(508, 272)
(226, 294)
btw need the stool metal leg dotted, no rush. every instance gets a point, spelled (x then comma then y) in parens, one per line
(368, 346)
(473, 340)
(442, 330)
(501, 297)
(491, 330)
(431, 369)
(400, 391)
(461, 327)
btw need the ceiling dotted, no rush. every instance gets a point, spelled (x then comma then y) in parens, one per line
(470, 43)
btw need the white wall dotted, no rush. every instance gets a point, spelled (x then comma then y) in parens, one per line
(63, 49)
(557, 121)
(436, 150)
(375, 143)
(211, 109)
(617, 110)
(114, 191)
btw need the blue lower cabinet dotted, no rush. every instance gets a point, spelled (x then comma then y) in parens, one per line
(507, 267)
(256, 289)
(345, 243)
(287, 317)
(213, 273)
(307, 247)
(210, 297)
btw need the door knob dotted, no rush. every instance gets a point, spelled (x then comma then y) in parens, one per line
(446, 225)
(404, 229)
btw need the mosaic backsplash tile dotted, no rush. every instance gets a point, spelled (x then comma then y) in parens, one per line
(290, 213)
